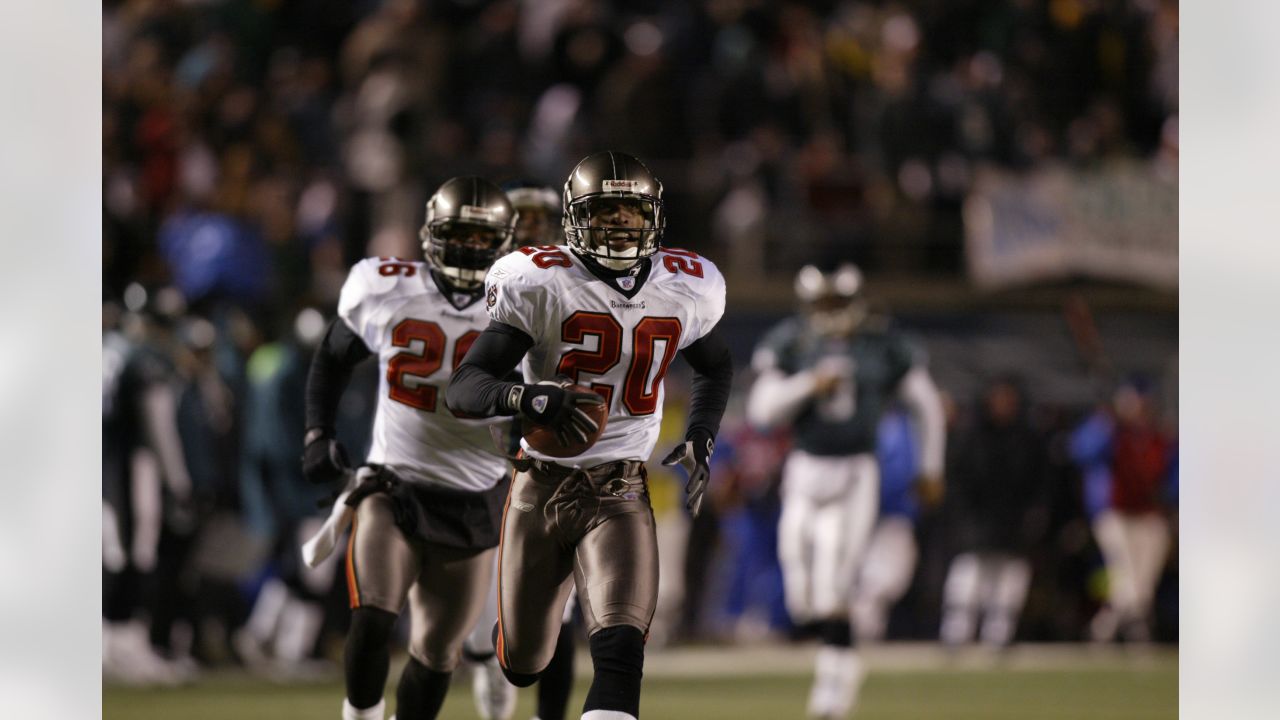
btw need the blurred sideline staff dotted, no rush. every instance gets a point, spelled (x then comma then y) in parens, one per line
(829, 373)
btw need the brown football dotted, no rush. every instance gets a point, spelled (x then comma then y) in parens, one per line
(543, 439)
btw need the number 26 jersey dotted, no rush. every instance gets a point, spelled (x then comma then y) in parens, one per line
(420, 335)
(617, 336)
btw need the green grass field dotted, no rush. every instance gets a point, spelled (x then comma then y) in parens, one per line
(733, 684)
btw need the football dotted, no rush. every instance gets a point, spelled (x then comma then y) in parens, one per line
(544, 440)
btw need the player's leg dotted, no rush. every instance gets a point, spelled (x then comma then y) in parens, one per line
(494, 697)
(885, 576)
(1149, 540)
(381, 567)
(1011, 576)
(960, 600)
(616, 572)
(842, 530)
(795, 540)
(1122, 604)
(534, 578)
(556, 682)
(443, 604)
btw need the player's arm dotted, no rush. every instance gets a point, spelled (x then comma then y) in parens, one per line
(478, 387)
(712, 382)
(159, 413)
(323, 458)
(777, 397)
(923, 402)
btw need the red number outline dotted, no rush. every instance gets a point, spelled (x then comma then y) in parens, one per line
(644, 339)
(608, 332)
(676, 260)
(421, 395)
(545, 256)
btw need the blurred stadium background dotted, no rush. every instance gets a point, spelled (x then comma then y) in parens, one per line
(1004, 171)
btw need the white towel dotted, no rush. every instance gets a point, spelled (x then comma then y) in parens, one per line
(321, 545)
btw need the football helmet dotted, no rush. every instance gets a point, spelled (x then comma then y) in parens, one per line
(470, 224)
(539, 209)
(613, 210)
(833, 302)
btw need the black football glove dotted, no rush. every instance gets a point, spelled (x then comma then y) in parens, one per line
(551, 405)
(324, 460)
(693, 455)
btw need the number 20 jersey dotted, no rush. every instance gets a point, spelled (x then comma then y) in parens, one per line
(419, 338)
(617, 337)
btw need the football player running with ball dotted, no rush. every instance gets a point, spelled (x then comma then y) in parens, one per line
(609, 311)
(537, 223)
(829, 373)
(425, 509)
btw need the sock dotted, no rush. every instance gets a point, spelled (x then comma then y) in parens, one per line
(421, 691)
(367, 659)
(556, 681)
(607, 715)
(351, 712)
(617, 653)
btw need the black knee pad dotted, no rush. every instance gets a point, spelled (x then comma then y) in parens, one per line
(421, 691)
(618, 656)
(367, 657)
(838, 633)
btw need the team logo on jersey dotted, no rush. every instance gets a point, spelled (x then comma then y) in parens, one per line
(539, 404)
(626, 282)
(475, 212)
(620, 185)
(491, 298)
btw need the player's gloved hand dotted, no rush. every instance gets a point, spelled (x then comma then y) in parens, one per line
(550, 404)
(693, 455)
(324, 460)
(929, 491)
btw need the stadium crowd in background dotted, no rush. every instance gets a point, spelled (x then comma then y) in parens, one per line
(252, 152)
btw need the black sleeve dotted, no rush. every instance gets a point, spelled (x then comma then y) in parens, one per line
(478, 386)
(331, 366)
(710, 358)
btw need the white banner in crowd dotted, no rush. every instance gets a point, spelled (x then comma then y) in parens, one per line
(1118, 222)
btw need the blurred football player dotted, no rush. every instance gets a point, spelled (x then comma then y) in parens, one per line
(539, 209)
(146, 482)
(610, 310)
(537, 223)
(427, 502)
(829, 373)
(890, 560)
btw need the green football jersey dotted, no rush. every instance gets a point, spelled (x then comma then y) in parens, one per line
(844, 421)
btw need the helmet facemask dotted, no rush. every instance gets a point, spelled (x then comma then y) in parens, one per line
(616, 229)
(462, 251)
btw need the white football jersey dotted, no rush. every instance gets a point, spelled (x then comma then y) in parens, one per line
(419, 338)
(590, 330)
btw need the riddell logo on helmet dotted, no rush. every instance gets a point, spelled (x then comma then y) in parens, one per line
(621, 185)
(473, 212)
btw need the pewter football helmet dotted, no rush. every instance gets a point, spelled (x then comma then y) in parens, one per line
(597, 185)
(469, 225)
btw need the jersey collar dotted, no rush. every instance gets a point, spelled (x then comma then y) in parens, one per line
(624, 282)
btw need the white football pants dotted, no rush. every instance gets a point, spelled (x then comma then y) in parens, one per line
(828, 507)
(994, 584)
(1134, 548)
(886, 575)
